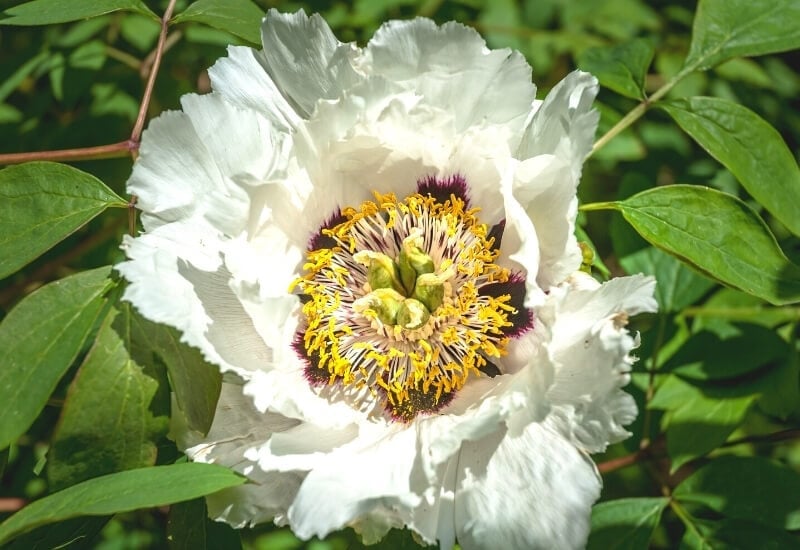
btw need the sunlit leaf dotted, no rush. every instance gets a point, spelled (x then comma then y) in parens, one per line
(122, 492)
(621, 67)
(41, 203)
(747, 488)
(700, 417)
(625, 524)
(749, 147)
(48, 12)
(107, 423)
(678, 286)
(39, 339)
(729, 28)
(734, 355)
(239, 17)
(717, 234)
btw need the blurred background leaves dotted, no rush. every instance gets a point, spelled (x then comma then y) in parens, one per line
(714, 459)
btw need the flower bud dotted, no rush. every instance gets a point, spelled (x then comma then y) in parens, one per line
(412, 314)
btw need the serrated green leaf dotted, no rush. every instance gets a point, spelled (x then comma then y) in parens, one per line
(622, 67)
(625, 524)
(715, 233)
(122, 492)
(49, 12)
(195, 382)
(730, 28)
(41, 203)
(746, 488)
(749, 147)
(737, 353)
(678, 286)
(39, 339)
(239, 17)
(107, 423)
(700, 416)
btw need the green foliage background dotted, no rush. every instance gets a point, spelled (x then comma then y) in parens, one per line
(714, 461)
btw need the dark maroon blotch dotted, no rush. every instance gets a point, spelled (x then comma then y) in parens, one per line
(316, 376)
(319, 239)
(441, 188)
(496, 233)
(521, 319)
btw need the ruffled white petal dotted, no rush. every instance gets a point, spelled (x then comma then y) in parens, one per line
(530, 491)
(554, 147)
(453, 70)
(243, 80)
(305, 59)
(591, 350)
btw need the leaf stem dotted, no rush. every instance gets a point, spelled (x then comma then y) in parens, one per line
(113, 150)
(123, 57)
(136, 134)
(598, 206)
(637, 112)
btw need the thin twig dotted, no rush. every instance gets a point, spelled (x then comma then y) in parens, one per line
(114, 150)
(12, 504)
(136, 134)
(621, 462)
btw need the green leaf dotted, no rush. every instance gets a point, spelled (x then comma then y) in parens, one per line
(622, 67)
(195, 382)
(678, 286)
(727, 306)
(749, 147)
(186, 525)
(49, 12)
(736, 535)
(39, 339)
(746, 488)
(189, 528)
(41, 203)
(12, 81)
(737, 353)
(715, 233)
(72, 534)
(626, 523)
(729, 28)
(700, 416)
(122, 492)
(239, 17)
(107, 424)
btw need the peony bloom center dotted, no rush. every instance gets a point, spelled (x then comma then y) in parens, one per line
(403, 300)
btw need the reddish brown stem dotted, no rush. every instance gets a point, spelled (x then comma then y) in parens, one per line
(114, 150)
(136, 134)
(11, 504)
(621, 462)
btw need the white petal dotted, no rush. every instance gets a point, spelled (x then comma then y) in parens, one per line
(373, 476)
(243, 80)
(555, 145)
(591, 349)
(532, 491)
(306, 60)
(237, 429)
(453, 70)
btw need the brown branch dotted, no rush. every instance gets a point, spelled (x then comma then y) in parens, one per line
(11, 504)
(151, 80)
(114, 150)
(776, 437)
(622, 462)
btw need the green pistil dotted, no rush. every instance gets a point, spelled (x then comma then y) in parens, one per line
(404, 292)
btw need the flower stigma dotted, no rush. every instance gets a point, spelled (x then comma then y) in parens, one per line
(403, 301)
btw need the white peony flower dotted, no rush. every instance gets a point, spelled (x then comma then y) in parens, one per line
(376, 246)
